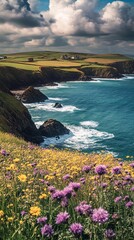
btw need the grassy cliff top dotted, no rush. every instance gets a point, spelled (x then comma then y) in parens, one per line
(54, 59)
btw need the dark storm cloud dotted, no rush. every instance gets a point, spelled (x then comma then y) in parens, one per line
(18, 12)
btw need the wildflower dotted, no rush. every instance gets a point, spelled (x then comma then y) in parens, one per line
(23, 213)
(74, 185)
(109, 233)
(67, 191)
(58, 194)
(100, 215)
(22, 178)
(62, 217)
(67, 176)
(1, 213)
(104, 185)
(10, 219)
(76, 229)
(117, 199)
(3, 152)
(126, 198)
(116, 170)
(43, 196)
(100, 169)
(86, 168)
(129, 204)
(132, 189)
(84, 209)
(131, 165)
(42, 220)
(35, 211)
(47, 230)
(82, 180)
(51, 189)
(64, 202)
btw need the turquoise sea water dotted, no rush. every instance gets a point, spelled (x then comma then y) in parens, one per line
(99, 114)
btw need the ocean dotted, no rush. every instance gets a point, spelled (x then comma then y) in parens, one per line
(99, 114)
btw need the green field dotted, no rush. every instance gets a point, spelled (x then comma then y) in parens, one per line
(54, 59)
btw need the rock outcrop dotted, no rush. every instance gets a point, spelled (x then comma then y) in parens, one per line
(126, 67)
(15, 119)
(53, 128)
(32, 95)
(102, 72)
(58, 105)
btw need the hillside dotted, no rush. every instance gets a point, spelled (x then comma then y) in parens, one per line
(15, 119)
(46, 191)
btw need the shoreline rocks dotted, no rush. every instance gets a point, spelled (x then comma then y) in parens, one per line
(32, 95)
(53, 128)
(57, 105)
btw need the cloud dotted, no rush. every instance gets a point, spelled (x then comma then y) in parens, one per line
(69, 24)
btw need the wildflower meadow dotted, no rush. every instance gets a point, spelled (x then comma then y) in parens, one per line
(64, 195)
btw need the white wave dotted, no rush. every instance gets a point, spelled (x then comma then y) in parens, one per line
(50, 107)
(109, 79)
(60, 85)
(57, 99)
(80, 138)
(39, 123)
(131, 76)
(89, 124)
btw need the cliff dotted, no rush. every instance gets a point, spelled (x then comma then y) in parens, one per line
(102, 72)
(15, 119)
(125, 67)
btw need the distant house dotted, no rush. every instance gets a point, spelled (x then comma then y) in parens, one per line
(30, 60)
(1, 57)
(67, 57)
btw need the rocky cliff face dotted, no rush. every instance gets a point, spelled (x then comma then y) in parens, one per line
(15, 119)
(32, 95)
(126, 67)
(102, 72)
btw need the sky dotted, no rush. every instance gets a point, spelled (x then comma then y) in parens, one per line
(92, 26)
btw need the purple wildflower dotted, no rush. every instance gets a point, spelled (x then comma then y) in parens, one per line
(68, 191)
(23, 213)
(76, 229)
(84, 209)
(86, 168)
(100, 169)
(116, 170)
(82, 180)
(104, 185)
(129, 204)
(109, 233)
(100, 215)
(33, 164)
(117, 199)
(58, 194)
(64, 202)
(126, 198)
(67, 176)
(51, 189)
(62, 218)
(74, 185)
(4, 152)
(41, 220)
(132, 189)
(131, 165)
(47, 230)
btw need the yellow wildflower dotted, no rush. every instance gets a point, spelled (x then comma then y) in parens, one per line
(35, 211)
(1, 213)
(43, 196)
(22, 178)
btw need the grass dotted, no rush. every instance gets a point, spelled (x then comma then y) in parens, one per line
(32, 178)
(53, 59)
